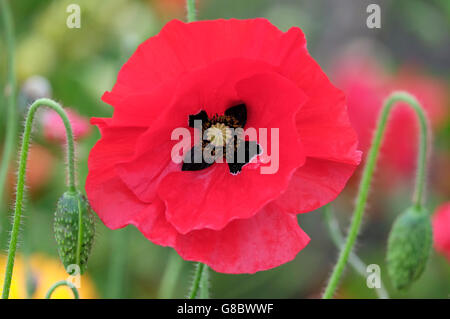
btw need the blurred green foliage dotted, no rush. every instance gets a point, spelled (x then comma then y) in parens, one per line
(81, 64)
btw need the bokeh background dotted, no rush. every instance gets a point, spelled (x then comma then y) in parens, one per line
(410, 51)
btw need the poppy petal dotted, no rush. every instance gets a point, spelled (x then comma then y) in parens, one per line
(115, 146)
(153, 224)
(315, 184)
(182, 47)
(266, 240)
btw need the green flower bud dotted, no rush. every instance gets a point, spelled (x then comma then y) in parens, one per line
(409, 246)
(74, 229)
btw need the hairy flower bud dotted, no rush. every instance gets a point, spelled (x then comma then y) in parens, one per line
(409, 246)
(74, 229)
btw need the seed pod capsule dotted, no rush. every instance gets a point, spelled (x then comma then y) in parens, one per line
(74, 229)
(409, 246)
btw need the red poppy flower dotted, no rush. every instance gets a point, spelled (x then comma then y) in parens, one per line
(228, 73)
(366, 86)
(54, 129)
(441, 229)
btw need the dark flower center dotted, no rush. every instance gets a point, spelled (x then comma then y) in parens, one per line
(222, 138)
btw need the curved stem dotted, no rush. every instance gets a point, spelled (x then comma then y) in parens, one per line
(364, 185)
(170, 277)
(191, 13)
(57, 284)
(197, 280)
(21, 178)
(10, 94)
(357, 264)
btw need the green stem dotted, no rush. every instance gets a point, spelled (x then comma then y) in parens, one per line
(21, 178)
(338, 239)
(10, 94)
(29, 280)
(364, 185)
(197, 280)
(204, 284)
(191, 12)
(170, 277)
(57, 284)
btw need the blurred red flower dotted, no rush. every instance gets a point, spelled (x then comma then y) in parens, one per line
(441, 229)
(252, 75)
(54, 129)
(401, 145)
(40, 167)
(366, 86)
(169, 9)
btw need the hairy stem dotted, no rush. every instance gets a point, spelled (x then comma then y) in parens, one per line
(21, 178)
(338, 239)
(204, 284)
(197, 280)
(191, 12)
(366, 179)
(57, 284)
(10, 95)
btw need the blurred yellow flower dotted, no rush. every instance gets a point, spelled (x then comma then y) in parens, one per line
(44, 272)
